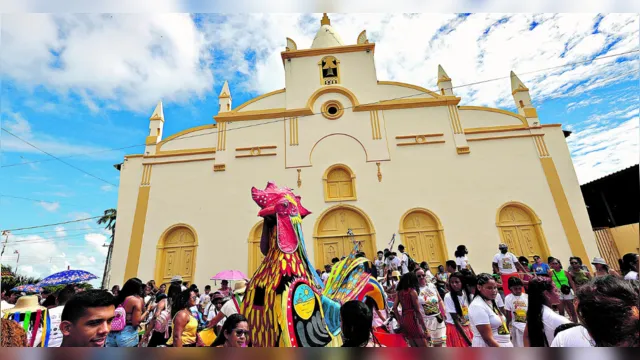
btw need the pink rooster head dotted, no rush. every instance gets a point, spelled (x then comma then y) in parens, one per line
(283, 207)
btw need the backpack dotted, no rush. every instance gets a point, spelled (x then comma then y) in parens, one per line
(120, 320)
(163, 321)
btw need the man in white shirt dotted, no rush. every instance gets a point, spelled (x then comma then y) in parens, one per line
(177, 280)
(404, 260)
(55, 315)
(392, 262)
(232, 305)
(325, 274)
(205, 298)
(506, 264)
(8, 301)
(379, 264)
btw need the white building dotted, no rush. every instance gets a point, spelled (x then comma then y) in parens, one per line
(377, 157)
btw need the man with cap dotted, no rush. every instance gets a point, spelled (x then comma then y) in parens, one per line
(232, 306)
(177, 280)
(507, 265)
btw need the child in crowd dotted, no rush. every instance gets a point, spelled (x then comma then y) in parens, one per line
(516, 305)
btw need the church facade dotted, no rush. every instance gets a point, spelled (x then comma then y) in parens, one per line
(373, 158)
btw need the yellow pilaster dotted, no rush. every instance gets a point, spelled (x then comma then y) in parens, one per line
(139, 220)
(564, 210)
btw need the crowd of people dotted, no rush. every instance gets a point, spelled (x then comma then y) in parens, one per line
(541, 304)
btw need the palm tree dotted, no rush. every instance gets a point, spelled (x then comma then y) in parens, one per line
(109, 219)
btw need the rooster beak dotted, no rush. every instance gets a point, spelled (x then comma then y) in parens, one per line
(269, 210)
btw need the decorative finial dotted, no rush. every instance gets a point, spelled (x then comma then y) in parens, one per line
(325, 20)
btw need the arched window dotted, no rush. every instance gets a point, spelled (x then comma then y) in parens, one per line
(339, 183)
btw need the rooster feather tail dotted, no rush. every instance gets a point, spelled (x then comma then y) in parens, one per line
(348, 281)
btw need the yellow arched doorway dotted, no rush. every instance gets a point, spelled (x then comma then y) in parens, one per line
(423, 237)
(255, 255)
(176, 254)
(520, 228)
(331, 238)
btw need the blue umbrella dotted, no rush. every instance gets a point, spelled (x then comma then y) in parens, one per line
(67, 277)
(29, 288)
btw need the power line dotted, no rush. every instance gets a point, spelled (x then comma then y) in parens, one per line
(71, 156)
(34, 200)
(57, 158)
(60, 223)
(56, 231)
(348, 107)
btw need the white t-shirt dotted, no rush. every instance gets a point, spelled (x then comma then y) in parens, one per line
(229, 308)
(577, 336)
(393, 264)
(324, 277)
(4, 306)
(550, 321)
(404, 263)
(379, 264)
(506, 263)
(631, 275)
(481, 314)
(428, 300)
(462, 262)
(517, 305)
(450, 308)
(205, 299)
(55, 316)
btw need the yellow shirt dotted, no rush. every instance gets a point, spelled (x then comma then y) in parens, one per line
(189, 332)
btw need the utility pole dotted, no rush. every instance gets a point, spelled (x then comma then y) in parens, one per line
(5, 233)
(17, 260)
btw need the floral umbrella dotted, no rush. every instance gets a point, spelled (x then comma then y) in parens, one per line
(67, 277)
(29, 288)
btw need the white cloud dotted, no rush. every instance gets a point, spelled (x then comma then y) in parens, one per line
(602, 149)
(583, 103)
(97, 241)
(125, 60)
(18, 125)
(50, 206)
(106, 188)
(60, 232)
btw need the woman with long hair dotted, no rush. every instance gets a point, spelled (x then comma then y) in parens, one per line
(608, 308)
(461, 258)
(629, 266)
(602, 268)
(410, 319)
(130, 299)
(488, 324)
(234, 333)
(564, 282)
(542, 321)
(185, 326)
(456, 305)
(356, 322)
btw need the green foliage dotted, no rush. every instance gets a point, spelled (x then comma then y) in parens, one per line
(9, 282)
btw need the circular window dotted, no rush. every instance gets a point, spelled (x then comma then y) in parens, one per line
(332, 109)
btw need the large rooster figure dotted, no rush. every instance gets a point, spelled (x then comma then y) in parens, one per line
(286, 303)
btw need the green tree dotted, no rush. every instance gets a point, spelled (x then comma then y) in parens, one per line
(109, 221)
(9, 282)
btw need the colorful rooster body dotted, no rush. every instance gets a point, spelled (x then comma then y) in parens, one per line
(286, 303)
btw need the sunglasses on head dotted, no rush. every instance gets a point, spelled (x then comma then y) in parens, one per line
(240, 332)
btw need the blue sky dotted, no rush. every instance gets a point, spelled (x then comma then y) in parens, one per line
(81, 85)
